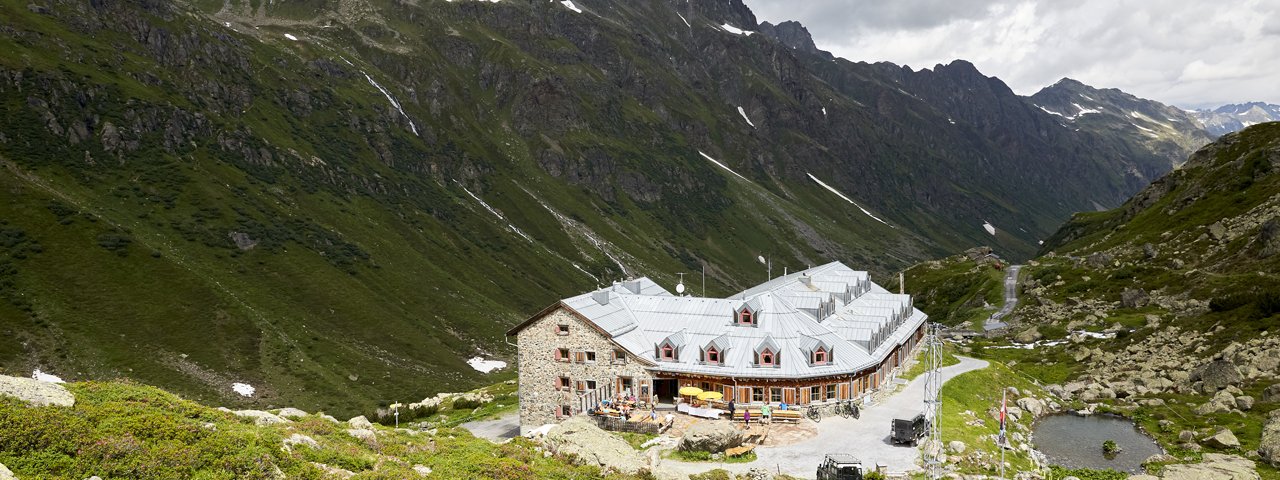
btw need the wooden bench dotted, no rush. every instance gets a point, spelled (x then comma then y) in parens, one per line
(739, 451)
(789, 416)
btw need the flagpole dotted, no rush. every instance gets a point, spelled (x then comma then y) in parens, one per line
(1004, 398)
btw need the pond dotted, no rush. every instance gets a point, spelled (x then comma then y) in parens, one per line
(1075, 441)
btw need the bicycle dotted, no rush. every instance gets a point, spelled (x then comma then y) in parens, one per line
(813, 414)
(848, 409)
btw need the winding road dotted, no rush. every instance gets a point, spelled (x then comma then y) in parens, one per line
(1010, 299)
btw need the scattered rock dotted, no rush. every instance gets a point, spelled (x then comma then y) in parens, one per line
(35, 392)
(422, 470)
(1215, 466)
(360, 423)
(711, 437)
(1029, 335)
(334, 472)
(580, 438)
(1033, 406)
(1224, 439)
(291, 413)
(1134, 298)
(1269, 446)
(1186, 436)
(1271, 394)
(5, 474)
(261, 418)
(363, 434)
(243, 241)
(1217, 231)
(1221, 402)
(955, 446)
(300, 439)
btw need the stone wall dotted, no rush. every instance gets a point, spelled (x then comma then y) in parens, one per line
(539, 370)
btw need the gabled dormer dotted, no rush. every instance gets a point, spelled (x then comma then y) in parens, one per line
(713, 353)
(816, 350)
(767, 353)
(668, 350)
(747, 314)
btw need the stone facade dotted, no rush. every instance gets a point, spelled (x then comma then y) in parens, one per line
(541, 394)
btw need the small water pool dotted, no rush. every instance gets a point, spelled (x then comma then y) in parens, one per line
(1075, 441)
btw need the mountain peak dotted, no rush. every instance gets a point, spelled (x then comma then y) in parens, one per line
(792, 34)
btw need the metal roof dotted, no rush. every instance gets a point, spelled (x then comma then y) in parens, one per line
(862, 326)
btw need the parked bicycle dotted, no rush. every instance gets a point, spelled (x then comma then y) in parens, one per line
(813, 413)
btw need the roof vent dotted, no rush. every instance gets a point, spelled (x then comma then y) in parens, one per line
(806, 279)
(632, 286)
(600, 296)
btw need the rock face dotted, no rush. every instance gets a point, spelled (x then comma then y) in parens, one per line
(590, 445)
(1269, 447)
(35, 392)
(712, 437)
(1216, 466)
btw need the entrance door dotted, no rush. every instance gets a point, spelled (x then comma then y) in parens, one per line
(665, 390)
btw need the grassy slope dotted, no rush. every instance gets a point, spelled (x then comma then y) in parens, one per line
(954, 290)
(119, 430)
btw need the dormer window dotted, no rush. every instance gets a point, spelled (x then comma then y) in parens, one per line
(767, 358)
(820, 356)
(668, 353)
(711, 356)
(745, 317)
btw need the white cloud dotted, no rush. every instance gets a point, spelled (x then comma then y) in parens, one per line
(1185, 52)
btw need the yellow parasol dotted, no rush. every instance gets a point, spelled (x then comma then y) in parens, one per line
(690, 390)
(710, 396)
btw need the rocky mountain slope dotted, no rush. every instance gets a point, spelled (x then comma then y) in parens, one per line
(340, 202)
(1145, 125)
(1235, 117)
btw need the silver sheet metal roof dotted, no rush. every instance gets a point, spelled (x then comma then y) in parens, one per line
(863, 325)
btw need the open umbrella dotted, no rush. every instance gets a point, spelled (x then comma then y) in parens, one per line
(690, 391)
(710, 396)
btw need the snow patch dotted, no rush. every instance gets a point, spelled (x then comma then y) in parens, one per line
(244, 389)
(495, 213)
(989, 227)
(540, 431)
(393, 101)
(45, 377)
(953, 122)
(1082, 111)
(708, 157)
(744, 117)
(686, 22)
(847, 199)
(735, 30)
(569, 5)
(290, 37)
(1051, 112)
(485, 366)
(824, 111)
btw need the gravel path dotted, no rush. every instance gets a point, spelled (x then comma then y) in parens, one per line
(1010, 299)
(866, 438)
(497, 431)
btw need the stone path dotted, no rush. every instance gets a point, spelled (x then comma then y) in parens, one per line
(497, 431)
(866, 438)
(1010, 299)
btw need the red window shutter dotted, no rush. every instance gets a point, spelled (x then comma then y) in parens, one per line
(558, 357)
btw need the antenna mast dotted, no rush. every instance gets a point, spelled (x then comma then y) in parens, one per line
(933, 401)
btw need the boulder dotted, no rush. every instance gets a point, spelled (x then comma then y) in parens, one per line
(1217, 375)
(1032, 406)
(300, 439)
(1269, 446)
(422, 469)
(261, 418)
(360, 423)
(1215, 466)
(1224, 439)
(1271, 394)
(36, 393)
(331, 471)
(1134, 298)
(1221, 402)
(1217, 231)
(1186, 436)
(955, 446)
(581, 439)
(711, 437)
(5, 474)
(1244, 403)
(1028, 336)
(291, 413)
(364, 434)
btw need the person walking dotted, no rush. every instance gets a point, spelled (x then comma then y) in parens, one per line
(746, 418)
(766, 414)
(731, 408)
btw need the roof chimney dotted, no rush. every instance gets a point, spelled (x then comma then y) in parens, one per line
(600, 296)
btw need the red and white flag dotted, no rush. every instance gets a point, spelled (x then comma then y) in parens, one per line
(1004, 413)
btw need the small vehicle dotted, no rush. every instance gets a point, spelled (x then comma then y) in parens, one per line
(840, 466)
(909, 431)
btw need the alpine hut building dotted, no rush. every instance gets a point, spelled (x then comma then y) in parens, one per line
(824, 334)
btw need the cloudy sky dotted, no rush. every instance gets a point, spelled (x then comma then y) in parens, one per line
(1189, 53)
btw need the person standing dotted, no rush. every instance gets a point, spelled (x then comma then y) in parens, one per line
(766, 414)
(731, 409)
